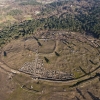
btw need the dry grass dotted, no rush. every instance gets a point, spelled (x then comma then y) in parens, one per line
(47, 46)
(74, 56)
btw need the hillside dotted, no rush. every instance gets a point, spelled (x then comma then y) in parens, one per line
(84, 19)
(50, 50)
(54, 65)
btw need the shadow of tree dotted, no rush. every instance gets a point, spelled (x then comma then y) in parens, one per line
(80, 93)
(82, 70)
(85, 80)
(92, 96)
(77, 98)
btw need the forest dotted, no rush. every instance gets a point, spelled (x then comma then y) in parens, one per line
(84, 23)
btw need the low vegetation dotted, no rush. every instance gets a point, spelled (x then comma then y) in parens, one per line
(14, 12)
(84, 23)
(50, 50)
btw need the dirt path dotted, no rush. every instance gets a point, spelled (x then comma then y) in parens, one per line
(6, 68)
(70, 82)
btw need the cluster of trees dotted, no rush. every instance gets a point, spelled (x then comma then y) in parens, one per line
(88, 23)
(48, 8)
(29, 2)
(15, 12)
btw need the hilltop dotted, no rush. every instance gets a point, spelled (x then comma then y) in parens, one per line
(50, 50)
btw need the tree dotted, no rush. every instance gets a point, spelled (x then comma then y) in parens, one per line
(57, 54)
(46, 59)
(4, 53)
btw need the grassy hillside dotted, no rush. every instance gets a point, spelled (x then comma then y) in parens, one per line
(50, 51)
(85, 20)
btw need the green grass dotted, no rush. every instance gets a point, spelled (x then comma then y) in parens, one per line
(27, 17)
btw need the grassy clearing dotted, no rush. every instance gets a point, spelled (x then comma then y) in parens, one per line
(47, 46)
(33, 89)
(20, 94)
(73, 54)
(27, 17)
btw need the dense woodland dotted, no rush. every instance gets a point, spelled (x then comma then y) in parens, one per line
(86, 21)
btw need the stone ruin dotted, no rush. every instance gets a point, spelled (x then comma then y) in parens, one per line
(37, 70)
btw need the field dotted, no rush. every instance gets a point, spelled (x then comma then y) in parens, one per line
(59, 53)
(67, 53)
(49, 50)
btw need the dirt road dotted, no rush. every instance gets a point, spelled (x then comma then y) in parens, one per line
(70, 82)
